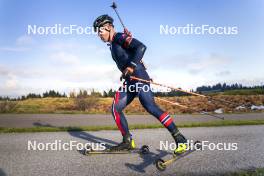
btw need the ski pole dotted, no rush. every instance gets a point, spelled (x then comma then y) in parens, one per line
(163, 85)
(173, 103)
(178, 104)
(114, 6)
(174, 88)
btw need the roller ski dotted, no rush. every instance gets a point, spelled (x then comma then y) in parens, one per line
(127, 146)
(181, 151)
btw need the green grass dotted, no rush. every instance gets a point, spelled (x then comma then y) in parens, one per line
(244, 92)
(251, 172)
(135, 126)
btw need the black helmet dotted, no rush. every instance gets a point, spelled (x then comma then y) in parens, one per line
(102, 20)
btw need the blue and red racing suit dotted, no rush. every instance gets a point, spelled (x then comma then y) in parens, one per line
(128, 52)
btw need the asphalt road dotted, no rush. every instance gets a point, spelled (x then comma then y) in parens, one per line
(16, 159)
(58, 120)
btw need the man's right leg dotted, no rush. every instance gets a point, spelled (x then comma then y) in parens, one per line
(147, 100)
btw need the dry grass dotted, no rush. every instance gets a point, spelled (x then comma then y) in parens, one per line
(103, 105)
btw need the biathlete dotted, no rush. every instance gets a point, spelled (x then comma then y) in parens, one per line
(127, 52)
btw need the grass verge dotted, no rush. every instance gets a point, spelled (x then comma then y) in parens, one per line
(134, 126)
(251, 172)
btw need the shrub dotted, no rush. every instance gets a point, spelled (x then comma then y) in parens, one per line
(7, 106)
(84, 104)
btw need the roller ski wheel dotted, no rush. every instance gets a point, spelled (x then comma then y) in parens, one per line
(87, 150)
(161, 164)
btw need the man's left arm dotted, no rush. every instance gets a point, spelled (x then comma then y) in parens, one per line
(135, 46)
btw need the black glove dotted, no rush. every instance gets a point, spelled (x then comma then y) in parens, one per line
(127, 73)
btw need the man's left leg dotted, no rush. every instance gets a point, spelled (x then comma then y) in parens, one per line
(121, 100)
(147, 100)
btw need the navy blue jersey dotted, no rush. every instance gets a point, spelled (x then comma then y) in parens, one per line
(128, 52)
